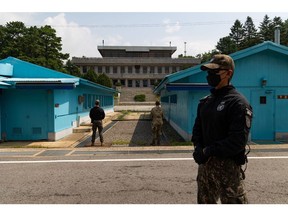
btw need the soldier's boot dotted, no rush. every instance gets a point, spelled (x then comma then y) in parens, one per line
(153, 142)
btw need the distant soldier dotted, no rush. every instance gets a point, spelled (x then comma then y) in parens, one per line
(97, 114)
(157, 123)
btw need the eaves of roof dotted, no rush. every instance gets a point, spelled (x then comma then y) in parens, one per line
(40, 83)
(95, 85)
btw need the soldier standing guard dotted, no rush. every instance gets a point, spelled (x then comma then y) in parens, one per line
(157, 123)
(220, 134)
(97, 114)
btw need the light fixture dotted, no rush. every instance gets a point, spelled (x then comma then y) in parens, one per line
(263, 82)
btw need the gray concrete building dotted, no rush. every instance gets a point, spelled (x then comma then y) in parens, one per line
(135, 66)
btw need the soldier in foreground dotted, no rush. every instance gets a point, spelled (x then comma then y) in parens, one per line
(157, 123)
(220, 134)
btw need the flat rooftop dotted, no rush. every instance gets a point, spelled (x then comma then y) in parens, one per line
(137, 51)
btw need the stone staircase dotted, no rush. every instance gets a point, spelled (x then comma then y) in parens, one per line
(127, 95)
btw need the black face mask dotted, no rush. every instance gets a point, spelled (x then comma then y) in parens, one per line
(213, 79)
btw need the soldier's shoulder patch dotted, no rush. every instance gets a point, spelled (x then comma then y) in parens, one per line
(248, 117)
(248, 112)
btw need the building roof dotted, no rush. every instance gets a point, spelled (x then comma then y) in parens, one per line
(136, 51)
(39, 83)
(267, 45)
(30, 76)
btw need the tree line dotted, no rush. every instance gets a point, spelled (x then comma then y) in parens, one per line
(244, 35)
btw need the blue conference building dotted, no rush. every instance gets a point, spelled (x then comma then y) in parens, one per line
(261, 75)
(37, 103)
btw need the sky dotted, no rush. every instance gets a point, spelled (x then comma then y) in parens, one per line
(195, 29)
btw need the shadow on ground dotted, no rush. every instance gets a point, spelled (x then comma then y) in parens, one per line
(142, 134)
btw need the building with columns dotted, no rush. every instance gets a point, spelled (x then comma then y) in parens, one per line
(135, 66)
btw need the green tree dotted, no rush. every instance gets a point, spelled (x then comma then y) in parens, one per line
(237, 33)
(247, 35)
(284, 30)
(226, 45)
(12, 39)
(91, 76)
(265, 29)
(104, 80)
(250, 34)
(36, 45)
(72, 69)
(51, 56)
(207, 55)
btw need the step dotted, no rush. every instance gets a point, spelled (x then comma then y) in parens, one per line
(82, 129)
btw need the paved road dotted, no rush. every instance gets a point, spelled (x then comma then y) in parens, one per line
(87, 176)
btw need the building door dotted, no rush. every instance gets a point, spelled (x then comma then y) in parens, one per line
(26, 114)
(263, 127)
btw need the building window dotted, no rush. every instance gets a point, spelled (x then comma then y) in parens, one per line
(85, 101)
(114, 81)
(152, 82)
(159, 69)
(144, 69)
(152, 70)
(122, 69)
(165, 99)
(107, 69)
(115, 69)
(145, 83)
(167, 70)
(129, 83)
(122, 82)
(137, 68)
(89, 101)
(173, 99)
(99, 69)
(84, 69)
(263, 100)
(129, 69)
(174, 69)
(137, 82)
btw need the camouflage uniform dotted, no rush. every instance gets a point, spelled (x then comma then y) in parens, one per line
(220, 178)
(157, 122)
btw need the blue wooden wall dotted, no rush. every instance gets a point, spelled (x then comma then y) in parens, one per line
(269, 101)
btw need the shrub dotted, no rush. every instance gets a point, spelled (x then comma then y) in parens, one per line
(140, 98)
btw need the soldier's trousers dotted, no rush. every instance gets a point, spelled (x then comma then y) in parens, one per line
(220, 178)
(97, 124)
(156, 131)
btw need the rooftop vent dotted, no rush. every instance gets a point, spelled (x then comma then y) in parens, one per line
(6, 69)
(277, 35)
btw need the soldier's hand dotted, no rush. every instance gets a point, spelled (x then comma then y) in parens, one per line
(199, 156)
